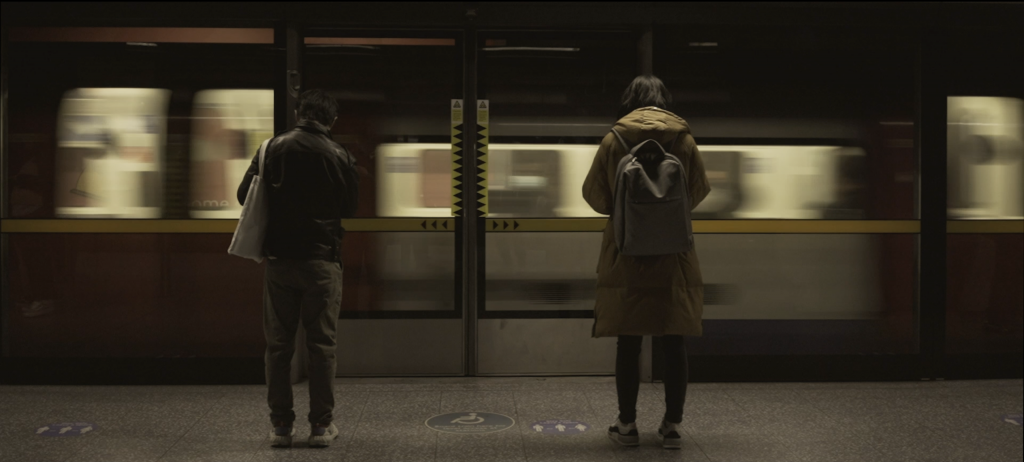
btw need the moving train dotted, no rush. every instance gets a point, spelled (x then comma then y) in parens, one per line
(111, 145)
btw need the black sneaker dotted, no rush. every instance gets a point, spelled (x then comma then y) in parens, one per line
(624, 434)
(671, 435)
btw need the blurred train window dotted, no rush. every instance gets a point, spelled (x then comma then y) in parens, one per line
(102, 119)
(809, 182)
(228, 127)
(397, 127)
(110, 152)
(985, 155)
(804, 87)
(414, 180)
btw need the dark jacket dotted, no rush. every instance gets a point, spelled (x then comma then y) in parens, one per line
(658, 295)
(311, 185)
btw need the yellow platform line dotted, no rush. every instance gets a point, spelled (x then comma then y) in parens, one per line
(717, 226)
(209, 226)
(984, 226)
(517, 225)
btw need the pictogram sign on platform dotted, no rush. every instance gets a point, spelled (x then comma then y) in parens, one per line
(470, 422)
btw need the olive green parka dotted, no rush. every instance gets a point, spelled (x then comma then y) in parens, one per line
(659, 295)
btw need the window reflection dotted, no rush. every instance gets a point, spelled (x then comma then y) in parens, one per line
(228, 127)
(985, 154)
(110, 152)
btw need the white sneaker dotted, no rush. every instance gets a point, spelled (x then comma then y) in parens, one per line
(281, 437)
(670, 435)
(321, 437)
(624, 434)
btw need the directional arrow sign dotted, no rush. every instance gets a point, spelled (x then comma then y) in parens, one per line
(559, 427)
(66, 429)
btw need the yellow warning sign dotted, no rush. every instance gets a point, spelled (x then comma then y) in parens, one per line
(457, 129)
(483, 119)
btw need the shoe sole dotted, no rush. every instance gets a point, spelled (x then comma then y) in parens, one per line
(280, 441)
(321, 441)
(671, 443)
(624, 440)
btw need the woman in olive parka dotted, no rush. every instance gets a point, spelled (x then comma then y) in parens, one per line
(659, 295)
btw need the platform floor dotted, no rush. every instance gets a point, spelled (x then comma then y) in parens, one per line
(384, 420)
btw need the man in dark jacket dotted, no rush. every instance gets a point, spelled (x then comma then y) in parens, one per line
(311, 185)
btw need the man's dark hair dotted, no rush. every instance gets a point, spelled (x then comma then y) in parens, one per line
(317, 105)
(645, 91)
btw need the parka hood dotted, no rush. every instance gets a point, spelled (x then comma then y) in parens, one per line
(651, 123)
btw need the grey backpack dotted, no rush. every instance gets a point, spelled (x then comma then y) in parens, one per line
(652, 207)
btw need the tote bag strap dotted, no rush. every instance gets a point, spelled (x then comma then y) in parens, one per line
(263, 150)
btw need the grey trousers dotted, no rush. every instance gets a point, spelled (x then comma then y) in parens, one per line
(306, 291)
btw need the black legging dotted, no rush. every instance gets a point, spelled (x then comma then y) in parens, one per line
(627, 376)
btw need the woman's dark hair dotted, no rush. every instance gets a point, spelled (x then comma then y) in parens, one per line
(317, 105)
(645, 91)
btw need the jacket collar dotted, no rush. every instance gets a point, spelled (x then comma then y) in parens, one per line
(313, 126)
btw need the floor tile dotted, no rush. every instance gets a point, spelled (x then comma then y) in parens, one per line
(40, 448)
(383, 443)
(214, 449)
(124, 449)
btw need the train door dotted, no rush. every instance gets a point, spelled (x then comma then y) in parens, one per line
(985, 210)
(549, 99)
(401, 309)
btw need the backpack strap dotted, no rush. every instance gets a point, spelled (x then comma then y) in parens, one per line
(673, 145)
(624, 145)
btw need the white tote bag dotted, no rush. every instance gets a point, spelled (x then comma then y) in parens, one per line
(252, 225)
